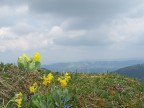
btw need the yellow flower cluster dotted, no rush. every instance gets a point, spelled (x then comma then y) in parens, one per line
(47, 79)
(63, 81)
(33, 87)
(24, 56)
(67, 77)
(18, 99)
(36, 57)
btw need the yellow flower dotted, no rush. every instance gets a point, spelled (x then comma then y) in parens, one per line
(35, 84)
(33, 88)
(63, 82)
(67, 77)
(18, 99)
(36, 57)
(25, 57)
(45, 83)
(59, 79)
(19, 102)
(66, 74)
(47, 79)
(50, 76)
(18, 95)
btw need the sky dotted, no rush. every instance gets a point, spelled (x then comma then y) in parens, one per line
(71, 30)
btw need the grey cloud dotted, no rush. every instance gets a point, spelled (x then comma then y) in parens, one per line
(87, 23)
(80, 7)
(12, 2)
(95, 37)
(82, 41)
(85, 13)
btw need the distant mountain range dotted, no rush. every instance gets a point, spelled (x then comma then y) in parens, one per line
(91, 66)
(135, 71)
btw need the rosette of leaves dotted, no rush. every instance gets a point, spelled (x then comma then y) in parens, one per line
(57, 98)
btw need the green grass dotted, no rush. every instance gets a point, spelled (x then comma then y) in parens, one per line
(89, 90)
(108, 91)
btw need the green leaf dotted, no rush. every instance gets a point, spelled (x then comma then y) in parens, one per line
(56, 97)
(43, 104)
(20, 65)
(37, 65)
(36, 102)
(31, 66)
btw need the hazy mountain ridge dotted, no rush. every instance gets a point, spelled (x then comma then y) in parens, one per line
(135, 71)
(94, 66)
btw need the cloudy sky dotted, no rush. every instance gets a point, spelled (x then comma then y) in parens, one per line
(71, 30)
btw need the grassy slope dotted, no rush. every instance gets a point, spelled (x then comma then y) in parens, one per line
(89, 90)
(108, 91)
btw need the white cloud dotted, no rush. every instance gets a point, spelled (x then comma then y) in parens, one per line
(127, 30)
(56, 30)
(6, 33)
(10, 40)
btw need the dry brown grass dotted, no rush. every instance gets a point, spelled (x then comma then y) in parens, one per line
(5, 89)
